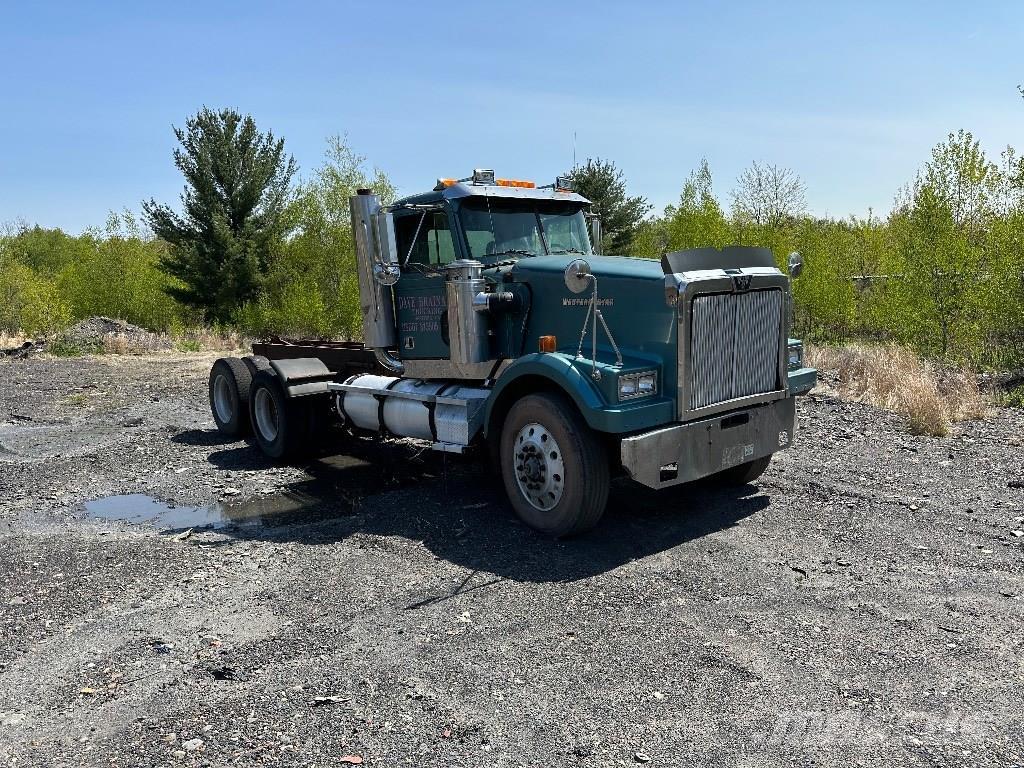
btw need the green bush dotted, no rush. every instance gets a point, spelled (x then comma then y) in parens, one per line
(1012, 398)
(29, 303)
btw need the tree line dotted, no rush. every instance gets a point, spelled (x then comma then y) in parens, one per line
(942, 273)
(254, 248)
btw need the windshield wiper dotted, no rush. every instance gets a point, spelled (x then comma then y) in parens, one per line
(570, 250)
(508, 251)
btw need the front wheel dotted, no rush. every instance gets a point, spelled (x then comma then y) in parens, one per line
(553, 466)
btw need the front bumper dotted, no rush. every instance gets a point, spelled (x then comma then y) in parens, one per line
(686, 452)
(802, 380)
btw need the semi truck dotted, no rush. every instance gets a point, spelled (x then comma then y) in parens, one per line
(491, 319)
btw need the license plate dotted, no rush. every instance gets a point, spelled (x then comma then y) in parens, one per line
(737, 454)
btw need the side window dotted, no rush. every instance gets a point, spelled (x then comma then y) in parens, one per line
(434, 245)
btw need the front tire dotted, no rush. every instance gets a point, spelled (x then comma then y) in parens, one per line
(280, 425)
(230, 381)
(553, 466)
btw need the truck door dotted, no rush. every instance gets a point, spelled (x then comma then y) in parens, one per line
(420, 302)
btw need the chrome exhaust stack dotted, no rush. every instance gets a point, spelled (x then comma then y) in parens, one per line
(373, 230)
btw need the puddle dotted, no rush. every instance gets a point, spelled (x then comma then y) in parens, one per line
(269, 511)
(336, 490)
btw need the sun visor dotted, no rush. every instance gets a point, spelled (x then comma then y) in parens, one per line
(730, 257)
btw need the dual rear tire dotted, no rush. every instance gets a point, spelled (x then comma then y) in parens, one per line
(246, 399)
(281, 426)
(230, 381)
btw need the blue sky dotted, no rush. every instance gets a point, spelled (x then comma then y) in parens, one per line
(849, 95)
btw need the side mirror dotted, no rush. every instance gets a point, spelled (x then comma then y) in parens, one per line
(796, 264)
(577, 275)
(386, 271)
(595, 232)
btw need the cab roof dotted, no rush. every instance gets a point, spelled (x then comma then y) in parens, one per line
(462, 190)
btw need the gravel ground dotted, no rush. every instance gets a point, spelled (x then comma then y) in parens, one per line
(861, 605)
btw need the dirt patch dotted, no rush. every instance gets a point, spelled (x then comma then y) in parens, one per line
(860, 605)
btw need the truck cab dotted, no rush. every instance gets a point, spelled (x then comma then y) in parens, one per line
(490, 319)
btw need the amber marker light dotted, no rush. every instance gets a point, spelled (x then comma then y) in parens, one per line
(547, 343)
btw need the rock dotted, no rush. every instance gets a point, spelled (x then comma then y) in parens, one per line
(320, 700)
(193, 745)
(642, 757)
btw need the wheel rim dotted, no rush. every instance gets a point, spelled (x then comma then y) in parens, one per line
(266, 415)
(539, 468)
(222, 401)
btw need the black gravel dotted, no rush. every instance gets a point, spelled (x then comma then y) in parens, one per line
(862, 605)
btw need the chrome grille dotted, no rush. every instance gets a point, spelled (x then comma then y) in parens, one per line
(734, 346)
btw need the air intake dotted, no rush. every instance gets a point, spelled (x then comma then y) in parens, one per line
(735, 340)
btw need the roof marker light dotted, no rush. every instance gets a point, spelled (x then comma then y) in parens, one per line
(516, 183)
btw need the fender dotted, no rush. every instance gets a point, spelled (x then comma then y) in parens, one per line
(599, 415)
(302, 376)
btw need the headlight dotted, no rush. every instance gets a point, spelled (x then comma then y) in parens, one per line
(796, 355)
(638, 385)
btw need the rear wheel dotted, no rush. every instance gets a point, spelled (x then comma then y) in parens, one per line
(554, 469)
(230, 380)
(742, 474)
(256, 363)
(280, 425)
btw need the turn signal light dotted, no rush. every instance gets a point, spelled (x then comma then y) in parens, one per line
(547, 343)
(516, 183)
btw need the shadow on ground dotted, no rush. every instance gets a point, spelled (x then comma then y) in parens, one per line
(457, 508)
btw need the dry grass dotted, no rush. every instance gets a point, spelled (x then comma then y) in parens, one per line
(896, 379)
(192, 340)
(134, 342)
(12, 340)
(210, 340)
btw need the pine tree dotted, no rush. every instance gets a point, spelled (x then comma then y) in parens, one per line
(234, 220)
(601, 182)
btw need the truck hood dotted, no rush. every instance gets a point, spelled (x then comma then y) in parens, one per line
(603, 266)
(631, 296)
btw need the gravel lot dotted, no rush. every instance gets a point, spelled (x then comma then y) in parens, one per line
(862, 605)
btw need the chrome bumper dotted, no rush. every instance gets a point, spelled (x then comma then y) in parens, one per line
(686, 452)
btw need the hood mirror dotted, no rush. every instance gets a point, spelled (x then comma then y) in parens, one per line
(577, 275)
(796, 264)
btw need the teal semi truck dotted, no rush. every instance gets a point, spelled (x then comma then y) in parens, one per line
(490, 319)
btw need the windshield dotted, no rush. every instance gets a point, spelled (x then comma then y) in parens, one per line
(496, 227)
